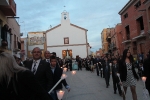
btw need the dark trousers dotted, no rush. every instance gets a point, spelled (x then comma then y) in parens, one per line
(97, 70)
(116, 86)
(101, 72)
(70, 67)
(79, 67)
(107, 77)
(147, 85)
(88, 68)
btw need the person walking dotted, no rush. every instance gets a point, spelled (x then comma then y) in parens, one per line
(128, 74)
(97, 64)
(18, 83)
(106, 67)
(41, 69)
(79, 63)
(57, 73)
(115, 78)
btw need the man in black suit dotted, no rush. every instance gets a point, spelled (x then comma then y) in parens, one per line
(97, 64)
(70, 64)
(115, 77)
(57, 73)
(79, 63)
(67, 63)
(40, 69)
(47, 56)
(106, 70)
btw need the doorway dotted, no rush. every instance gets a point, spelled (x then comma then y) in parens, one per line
(64, 53)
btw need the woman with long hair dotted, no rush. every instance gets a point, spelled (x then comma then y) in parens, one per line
(127, 72)
(18, 83)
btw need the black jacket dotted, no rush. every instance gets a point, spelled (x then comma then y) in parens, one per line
(27, 88)
(43, 74)
(114, 72)
(123, 71)
(57, 76)
(147, 73)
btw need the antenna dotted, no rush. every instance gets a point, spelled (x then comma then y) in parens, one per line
(64, 8)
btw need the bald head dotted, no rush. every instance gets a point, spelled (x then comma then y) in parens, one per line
(47, 55)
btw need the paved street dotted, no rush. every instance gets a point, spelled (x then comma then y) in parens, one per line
(88, 86)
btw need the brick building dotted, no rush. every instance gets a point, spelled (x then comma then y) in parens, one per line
(9, 27)
(135, 17)
(104, 41)
(118, 50)
(114, 39)
(99, 52)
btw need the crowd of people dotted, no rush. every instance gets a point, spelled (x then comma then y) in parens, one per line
(125, 71)
(30, 79)
(33, 79)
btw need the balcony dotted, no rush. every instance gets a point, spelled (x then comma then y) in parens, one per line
(8, 7)
(128, 40)
(142, 35)
(112, 46)
(139, 36)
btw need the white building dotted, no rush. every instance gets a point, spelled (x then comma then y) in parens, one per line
(67, 36)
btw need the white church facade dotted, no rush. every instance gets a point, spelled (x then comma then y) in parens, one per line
(67, 37)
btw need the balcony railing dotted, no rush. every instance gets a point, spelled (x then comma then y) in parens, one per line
(112, 46)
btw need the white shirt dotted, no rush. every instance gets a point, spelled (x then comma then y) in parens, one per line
(48, 60)
(37, 64)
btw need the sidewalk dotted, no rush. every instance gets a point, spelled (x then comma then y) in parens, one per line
(88, 86)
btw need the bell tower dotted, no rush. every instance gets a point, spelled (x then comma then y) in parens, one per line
(65, 18)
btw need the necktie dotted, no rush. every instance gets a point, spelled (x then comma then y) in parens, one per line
(48, 60)
(34, 67)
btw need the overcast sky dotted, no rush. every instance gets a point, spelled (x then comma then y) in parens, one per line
(94, 15)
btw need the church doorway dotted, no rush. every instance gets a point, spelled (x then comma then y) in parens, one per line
(64, 53)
